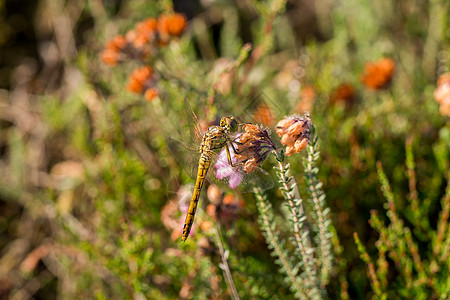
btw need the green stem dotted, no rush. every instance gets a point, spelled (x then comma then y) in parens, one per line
(267, 225)
(224, 256)
(318, 199)
(298, 213)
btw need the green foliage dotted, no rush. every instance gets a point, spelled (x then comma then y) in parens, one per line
(422, 274)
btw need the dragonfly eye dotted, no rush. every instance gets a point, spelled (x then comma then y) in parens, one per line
(233, 124)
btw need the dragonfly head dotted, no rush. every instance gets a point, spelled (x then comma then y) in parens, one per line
(229, 123)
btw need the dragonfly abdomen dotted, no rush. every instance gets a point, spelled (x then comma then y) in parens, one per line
(203, 167)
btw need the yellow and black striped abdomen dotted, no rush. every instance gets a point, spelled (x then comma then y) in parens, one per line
(203, 166)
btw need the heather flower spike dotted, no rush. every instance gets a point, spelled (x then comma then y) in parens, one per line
(377, 75)
(141, 43)
(249, 150)
(253, 146)
(142, 81)
(295, 132)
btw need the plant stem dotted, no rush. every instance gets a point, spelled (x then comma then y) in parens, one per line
(224, 266)
(297, 213)
(317, 197)
(267, 225)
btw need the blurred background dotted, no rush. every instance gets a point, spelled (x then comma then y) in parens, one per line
(91, 198)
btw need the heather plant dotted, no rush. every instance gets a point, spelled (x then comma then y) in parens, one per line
(92, 203)
(418, 275)
(309, 274)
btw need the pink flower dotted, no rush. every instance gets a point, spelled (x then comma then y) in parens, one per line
(224, 170)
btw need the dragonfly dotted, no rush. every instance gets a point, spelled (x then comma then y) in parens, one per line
(215, 147)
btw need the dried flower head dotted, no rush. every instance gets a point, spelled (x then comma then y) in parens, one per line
(252, 147)
(287, 74)
(378, 75)
(143, 39)
(307, 97)
(263, 114)
(112, 53)
(442, 94)
(110, 57)
(206, 226)
(230, 208)
(147, 27)
(140, 43)
(294, 132)
(139, 79)
(211, 211)
(144, 33)
(117, 43)
(151, 94)
(171, 24)
(343, 93)
(214, 193)
(226, 210)
(143, 81)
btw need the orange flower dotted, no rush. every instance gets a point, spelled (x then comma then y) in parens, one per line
(110, 57)
(227, 210)
(214, 193)
(228, 199)
(307, 97)
(171, 24)
(140, 40)
(151, 93)
(117, 43)
(263, 114)
(206, 226)
(145, 32)
(294, 132)
(139, 79)
(148, 26)
(343, 93)
(131, 35)
(169, 214)
(442, 94)
(377, 75)
(111, 54)
(211, 211)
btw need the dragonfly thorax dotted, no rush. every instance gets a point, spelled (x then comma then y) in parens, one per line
(215, 138)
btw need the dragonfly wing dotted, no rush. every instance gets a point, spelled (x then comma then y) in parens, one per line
(186, 156)
(225, 175)
(259, 178)
(194, 125)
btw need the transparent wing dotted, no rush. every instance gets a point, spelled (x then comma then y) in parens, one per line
(259, 178)
(187, 156)
(225, 175)
(220, 171)
(194, 125)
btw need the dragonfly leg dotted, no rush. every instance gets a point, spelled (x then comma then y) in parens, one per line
(230, 162)
(239, 143)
